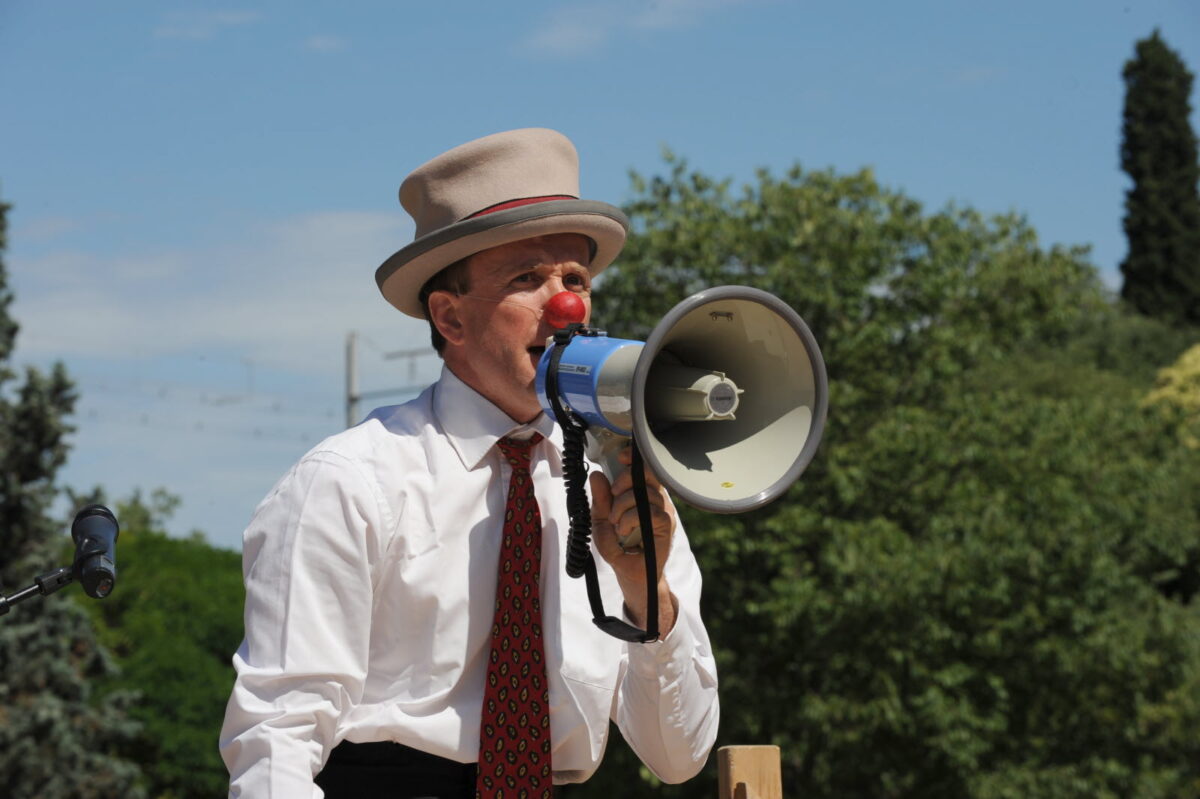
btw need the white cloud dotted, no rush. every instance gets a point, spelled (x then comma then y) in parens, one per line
(324, 44)
(583, 28)
(209, 370)
(665, 14)
(574, 30)
(281, 292)
(199, 25)
(45, 228)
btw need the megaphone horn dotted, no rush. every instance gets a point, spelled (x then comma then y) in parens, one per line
(726, 399)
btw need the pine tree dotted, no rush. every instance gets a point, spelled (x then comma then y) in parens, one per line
(1162, 209)
(57, 738)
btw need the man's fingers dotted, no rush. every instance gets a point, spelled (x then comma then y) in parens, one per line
(615, 517)
(624, 481)
(625, 456)
(602, 498)
(623, 513)
(629, 521)
(622, 501)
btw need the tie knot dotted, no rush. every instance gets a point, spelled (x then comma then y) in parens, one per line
(516, 450)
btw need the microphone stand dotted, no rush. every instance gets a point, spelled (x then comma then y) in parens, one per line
(51, 581)
(43, 584)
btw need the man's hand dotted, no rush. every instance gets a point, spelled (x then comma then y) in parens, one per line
(615, 516)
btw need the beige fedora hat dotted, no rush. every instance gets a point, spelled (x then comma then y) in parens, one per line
(492, 191)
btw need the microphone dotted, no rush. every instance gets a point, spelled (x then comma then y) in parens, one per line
(95, 532)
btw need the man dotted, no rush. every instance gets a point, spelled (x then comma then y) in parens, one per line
(407, 611)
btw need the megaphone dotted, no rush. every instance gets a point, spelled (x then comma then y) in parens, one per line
(726, 399)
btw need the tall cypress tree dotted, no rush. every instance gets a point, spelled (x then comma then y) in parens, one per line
(1162, 210)
(57, 738)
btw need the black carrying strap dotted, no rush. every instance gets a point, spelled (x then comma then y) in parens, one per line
(580, 561)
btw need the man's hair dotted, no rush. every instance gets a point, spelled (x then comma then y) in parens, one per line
(454, 278)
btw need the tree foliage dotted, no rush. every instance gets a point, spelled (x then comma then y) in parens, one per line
(1178, 388)
(982, 585)
(1162, 209)
(57, 737)
(173, 625)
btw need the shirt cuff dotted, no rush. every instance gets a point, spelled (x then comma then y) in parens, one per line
(667, 658)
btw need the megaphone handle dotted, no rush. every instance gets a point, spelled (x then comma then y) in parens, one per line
(605, 447)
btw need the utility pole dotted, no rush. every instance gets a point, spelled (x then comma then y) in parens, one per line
(354, 395)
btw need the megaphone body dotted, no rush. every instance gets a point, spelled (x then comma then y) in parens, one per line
(726, 399)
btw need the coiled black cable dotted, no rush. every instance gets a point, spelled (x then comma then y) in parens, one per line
(579, 552)
(579, 510)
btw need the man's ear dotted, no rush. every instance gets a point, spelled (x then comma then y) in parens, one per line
(443, 313)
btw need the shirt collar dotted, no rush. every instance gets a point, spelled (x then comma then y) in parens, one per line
(472, 424)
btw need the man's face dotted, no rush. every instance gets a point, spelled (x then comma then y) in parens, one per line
(497, 333)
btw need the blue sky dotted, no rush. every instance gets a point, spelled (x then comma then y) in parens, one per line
(202, 192)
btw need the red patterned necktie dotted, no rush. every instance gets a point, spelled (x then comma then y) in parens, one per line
(514, 736)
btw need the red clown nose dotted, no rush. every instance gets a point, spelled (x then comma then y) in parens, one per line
(564, 308)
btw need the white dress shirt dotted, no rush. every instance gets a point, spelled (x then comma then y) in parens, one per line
(370, 574)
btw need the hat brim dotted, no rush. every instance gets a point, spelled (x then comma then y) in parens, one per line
(401, 277)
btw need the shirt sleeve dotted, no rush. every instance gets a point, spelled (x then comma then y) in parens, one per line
(307, 563)
(666, 705)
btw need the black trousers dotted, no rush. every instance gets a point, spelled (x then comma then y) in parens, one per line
(387, 770)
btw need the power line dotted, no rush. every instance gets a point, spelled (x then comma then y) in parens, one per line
(201, 427)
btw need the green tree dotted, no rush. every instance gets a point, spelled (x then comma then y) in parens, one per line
(981, 586)
(1162, 209)
(1178, 387)
(57, 739)
(173, 626)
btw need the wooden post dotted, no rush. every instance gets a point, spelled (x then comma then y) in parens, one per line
(749, 772)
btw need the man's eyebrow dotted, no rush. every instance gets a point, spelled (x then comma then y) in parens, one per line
(524, 266)
(535, 263)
